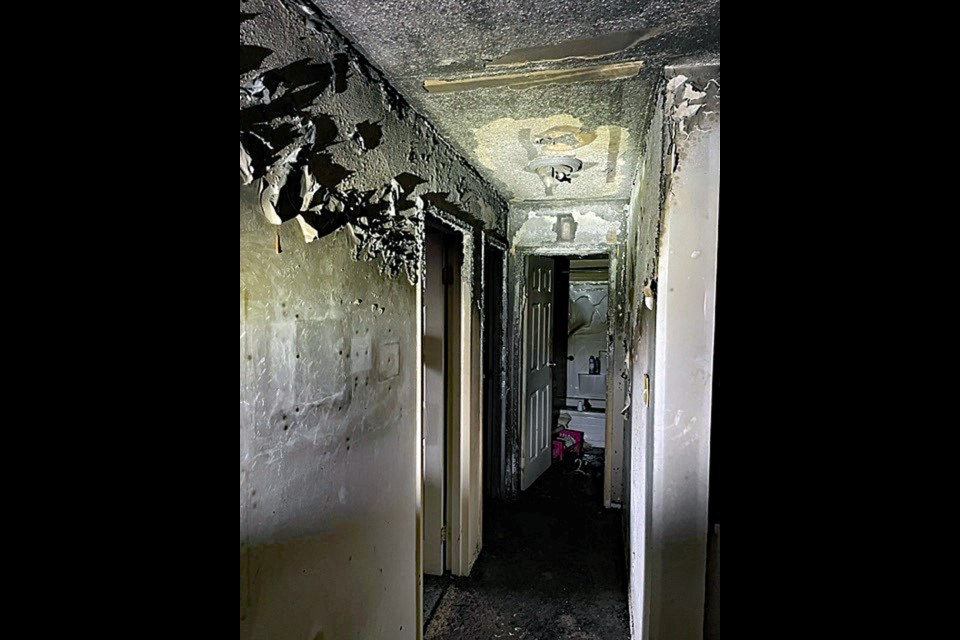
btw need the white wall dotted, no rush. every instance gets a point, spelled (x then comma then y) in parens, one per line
(682, 405)
(670, 436)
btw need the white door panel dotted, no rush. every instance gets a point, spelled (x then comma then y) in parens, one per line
(537, 418)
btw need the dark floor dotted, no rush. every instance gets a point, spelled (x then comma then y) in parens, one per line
(552, 567)
(433, 588)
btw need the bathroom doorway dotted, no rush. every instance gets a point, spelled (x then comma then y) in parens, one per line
(566, 359)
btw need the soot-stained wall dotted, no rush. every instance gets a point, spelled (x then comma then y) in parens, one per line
(336, 173)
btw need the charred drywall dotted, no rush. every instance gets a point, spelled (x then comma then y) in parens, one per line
(317, 124)
(574, 228)
(336, 175)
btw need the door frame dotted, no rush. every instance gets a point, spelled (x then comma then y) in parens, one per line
(446, 305)
(465, 436)
(498, 456)
(613, 458)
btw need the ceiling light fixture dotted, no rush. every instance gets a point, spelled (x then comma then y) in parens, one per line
(554, 170)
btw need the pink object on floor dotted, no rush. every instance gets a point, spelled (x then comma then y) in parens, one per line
(577, 439)
(558, 449)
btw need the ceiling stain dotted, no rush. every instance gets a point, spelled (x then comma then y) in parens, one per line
(506, 146)
(525, 137)
(613, 154)
(529, 79)
(582, 49)
(565, 138)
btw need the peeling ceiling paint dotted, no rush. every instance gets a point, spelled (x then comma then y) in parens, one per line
(689, 107)
(506, 146)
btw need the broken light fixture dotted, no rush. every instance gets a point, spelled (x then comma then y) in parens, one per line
(554, 170)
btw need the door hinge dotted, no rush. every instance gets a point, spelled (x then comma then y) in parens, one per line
(443, 534)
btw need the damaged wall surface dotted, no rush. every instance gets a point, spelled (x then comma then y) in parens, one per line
(672, 258)
(594, 227)
(336, 174)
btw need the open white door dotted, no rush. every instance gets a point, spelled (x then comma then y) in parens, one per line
(537, 411)
(434, 410)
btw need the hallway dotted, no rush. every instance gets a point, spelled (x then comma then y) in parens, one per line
(475, 236)
(552, 567)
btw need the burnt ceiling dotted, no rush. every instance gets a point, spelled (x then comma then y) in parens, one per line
(510, 81)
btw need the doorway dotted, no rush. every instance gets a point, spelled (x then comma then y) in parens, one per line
(552, 563)
(494, 369)
(566, 353)
(441, 348)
